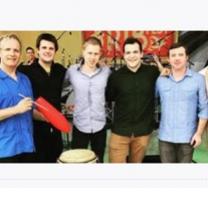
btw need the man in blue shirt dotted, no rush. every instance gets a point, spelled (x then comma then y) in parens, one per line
(184, 109)
(16, 140)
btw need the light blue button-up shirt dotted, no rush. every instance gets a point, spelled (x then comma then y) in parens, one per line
(182, 104)
(89, 98)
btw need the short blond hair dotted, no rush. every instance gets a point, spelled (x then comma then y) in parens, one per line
(11, 36)
(93, 41)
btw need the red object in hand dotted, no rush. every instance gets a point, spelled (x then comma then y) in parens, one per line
(55, 117)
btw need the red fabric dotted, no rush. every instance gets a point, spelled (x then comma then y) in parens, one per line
(55, 117)
(154, 42)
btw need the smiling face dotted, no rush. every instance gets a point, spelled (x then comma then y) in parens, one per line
(178, 58)
(9, 53)
(132, 56)
(46, 51)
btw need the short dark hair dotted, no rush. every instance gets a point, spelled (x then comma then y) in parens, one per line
(47, 37)
(132, 40)
(178, 45)
(30, 48)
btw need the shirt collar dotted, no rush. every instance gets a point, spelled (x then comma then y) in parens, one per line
(188, 73)
(3, 75)
(97, 70)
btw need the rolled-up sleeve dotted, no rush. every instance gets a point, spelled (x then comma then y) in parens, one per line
(203, 100)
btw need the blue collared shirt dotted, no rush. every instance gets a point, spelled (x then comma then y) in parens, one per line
(89, 98)
(16, 132)
(182, 104)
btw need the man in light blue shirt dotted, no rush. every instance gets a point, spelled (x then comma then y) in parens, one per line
(89, 81)
(184, 109)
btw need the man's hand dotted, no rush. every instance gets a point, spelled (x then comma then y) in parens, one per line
(196, 140)
(70, 108)
(24, 105)
(165, 72)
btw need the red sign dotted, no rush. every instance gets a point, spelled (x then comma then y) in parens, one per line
(153, 42)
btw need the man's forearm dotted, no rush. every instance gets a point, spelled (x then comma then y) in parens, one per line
(201, 126)
(8, 112)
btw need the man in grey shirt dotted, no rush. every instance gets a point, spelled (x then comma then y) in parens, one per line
(89, 81)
